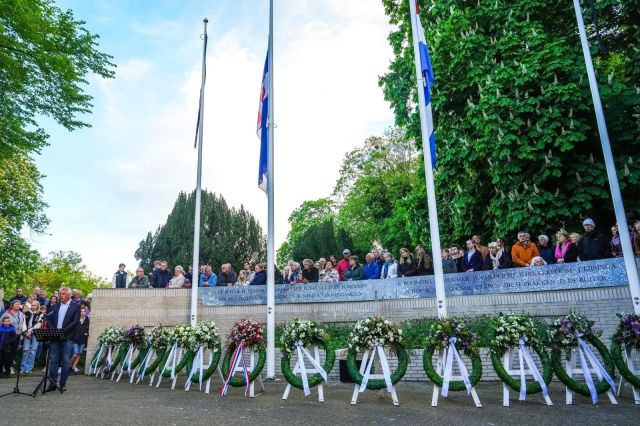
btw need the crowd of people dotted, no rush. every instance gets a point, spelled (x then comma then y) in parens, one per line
(22, 315)
(380, 264)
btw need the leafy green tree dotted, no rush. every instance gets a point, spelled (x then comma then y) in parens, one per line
(516, 137)
(18, 262)
(45, 57)
(65, 269)
(227, 235)
(309, 213)
(320, 240)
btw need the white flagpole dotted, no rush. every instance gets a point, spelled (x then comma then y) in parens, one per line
(271, 321)
(616, 196)
(441, 301)
(196, 225)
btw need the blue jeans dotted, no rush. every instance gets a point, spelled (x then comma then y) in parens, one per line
(29, 349)
(59, 354)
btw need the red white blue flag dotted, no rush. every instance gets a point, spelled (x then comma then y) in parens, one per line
(262, 131)
(428, 80)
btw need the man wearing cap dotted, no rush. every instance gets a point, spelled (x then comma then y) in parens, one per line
(343, 265)
(592, 245)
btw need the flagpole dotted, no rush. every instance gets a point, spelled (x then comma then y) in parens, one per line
(441, 301)
(271, 322)
(616, 196)
(196, 225)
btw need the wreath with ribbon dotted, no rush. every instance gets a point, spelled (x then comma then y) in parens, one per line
(205, 335)
(304, 334)
(112, 339)
(444, 332)
(136, 336)
(511, 331)
(369, 333)
(181, 337)
(159, 340)
(627, 336)
(571, 332)
(245, 334)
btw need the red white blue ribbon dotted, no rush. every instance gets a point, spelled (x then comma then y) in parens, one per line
(236, 358)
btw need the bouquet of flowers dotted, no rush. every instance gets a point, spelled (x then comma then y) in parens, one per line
(161, 337)
(567, 329)
(113, 336)
(249, 331)
(134, 335)
(204, 333)
(367, 332)
(306, 332)
(443, 329)
(628, 332)
(510, 328)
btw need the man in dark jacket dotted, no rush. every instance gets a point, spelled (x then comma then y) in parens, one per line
(592, 245)
(472, 259)
(19, 296)
(120, 278)
(260, 278)
(65, 316)
(227, 276)
(546, 250)
(161, 276)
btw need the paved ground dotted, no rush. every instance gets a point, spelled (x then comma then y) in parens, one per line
(95, 402)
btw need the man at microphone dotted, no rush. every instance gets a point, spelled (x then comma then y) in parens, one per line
(65, 316)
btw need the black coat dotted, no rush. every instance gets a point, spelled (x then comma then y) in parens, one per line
(407, 269)
(81, 334)
(571, 255)
(593, 246)
(503, 262)
(311, 275)
(227, 278)
(474, 263)
(70, 321)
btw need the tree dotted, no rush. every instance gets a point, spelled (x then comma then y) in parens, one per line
(516, 136)
(227, 235)
(310, 213)
(45, 56)
(65, 269)
(320, 240)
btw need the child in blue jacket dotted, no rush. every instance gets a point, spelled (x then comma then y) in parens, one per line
(7, 337)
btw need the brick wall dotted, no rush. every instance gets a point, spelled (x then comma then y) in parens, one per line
(150, 307)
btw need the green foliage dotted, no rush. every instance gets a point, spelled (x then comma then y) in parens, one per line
(18, 261)
(227, 235)
(320, 240)
(516, 135)
(65, 269)
(45, 57)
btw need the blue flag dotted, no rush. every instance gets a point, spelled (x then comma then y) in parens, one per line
(428, 79)
(263, 133)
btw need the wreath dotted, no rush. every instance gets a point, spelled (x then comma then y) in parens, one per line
(440, 333)
(159, 341)
(627, 335)
(137, 337)
(509, 329)
(564, 338)
(251, 332)
(364, 336)
(112, 336)
(205, 334)
(308, 334)
(182, 336)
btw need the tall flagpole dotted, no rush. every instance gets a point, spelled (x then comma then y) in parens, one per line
(616, 196)
(196, 225)
(441, 301)
(271, 321)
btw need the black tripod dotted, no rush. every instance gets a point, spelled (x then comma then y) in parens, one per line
(16, 388)
(48, 335)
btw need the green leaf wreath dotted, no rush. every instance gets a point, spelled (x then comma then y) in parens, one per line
(627, 336)
(309, 334)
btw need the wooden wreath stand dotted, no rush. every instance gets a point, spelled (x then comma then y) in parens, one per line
(442, 356)
(363, 367)
(178, 356)
(310, 371)
(507, 360)
(571, 370)
(124, 368)
(207, 387)
(629, 361)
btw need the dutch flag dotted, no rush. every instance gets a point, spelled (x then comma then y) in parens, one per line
(428, 79)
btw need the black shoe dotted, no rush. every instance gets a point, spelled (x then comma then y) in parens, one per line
(62, 389)
(51, 387)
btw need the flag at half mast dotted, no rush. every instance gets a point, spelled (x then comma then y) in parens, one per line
(262, 131)
(428, 80)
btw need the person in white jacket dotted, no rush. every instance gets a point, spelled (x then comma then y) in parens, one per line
(389, 268)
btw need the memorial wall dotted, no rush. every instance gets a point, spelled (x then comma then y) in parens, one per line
(598, 289)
